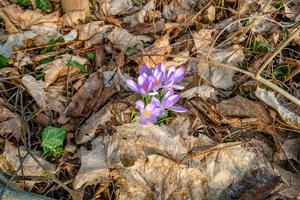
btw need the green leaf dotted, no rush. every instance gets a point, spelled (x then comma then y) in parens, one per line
(4, 62)
(43, 4)
(259, 46)
(40, 76)
(50, 42)
(163, 117)
(91, 56)
(278, 4)
(132, 49)
(47, 60)
(53, 140)
(73, 63)
(23, 3)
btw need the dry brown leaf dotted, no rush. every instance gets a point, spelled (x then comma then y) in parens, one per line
(157, 177)
(9, 123)
(203, 91)
(290, 149)
(86, 97)
(10, 162)
(115, 7)
(176, 7)
(160, 47)
(137, 152)
(139, 17)
(28, 18)
(269, 98)
(220, 77)
(203, 40)
(211, 13)
(126, 42)
(72, 18)
(47, 99)
(93, 32)
(93, 165)
(179, 60)
(58, 68)
(75, 5)
(88, 131)
(240, 112)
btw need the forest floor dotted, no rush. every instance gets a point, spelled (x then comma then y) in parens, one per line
(70, 127)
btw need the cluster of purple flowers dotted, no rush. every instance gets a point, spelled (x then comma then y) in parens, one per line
(156, 86)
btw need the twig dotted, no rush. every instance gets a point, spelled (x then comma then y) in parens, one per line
(277, 50)
(44, 46)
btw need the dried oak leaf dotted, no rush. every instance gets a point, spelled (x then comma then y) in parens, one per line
(86, 97)
(28, 18)
(11, 158)
(125, 41)
(160, 47)
(50, 98)
(59, 68)
(137, 152)
(241, 112)
(9, 123)
(115, 7)
(93, 165)
(269, 98)
(203, 91)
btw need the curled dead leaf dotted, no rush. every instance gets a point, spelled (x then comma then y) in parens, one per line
(269, 98)
(9, 123)
(115, 7)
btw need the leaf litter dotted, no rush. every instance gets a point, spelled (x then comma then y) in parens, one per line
(67, 117)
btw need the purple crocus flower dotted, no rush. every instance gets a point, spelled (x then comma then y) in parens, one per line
(174, 76)
(143, 86)
(150, 112)
(168, 101)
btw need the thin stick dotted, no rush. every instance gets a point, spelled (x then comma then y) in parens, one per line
(294, 34)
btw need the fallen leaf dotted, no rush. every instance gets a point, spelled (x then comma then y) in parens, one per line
(168, 178)
(139, 17)
(93, 32)
(58, 68)
(203, 41)
(290, 149)
(93, 165)
(115, 7)
(269, 98)
(179, 60)
(72, 18)
(160, 47)
(9, 123)
(240, 112)
(88, 131)
(221, 77)
(49, 99)
(176, 7)
(11, 157)
(211, 13)
(126, 42)
(28, 18)
(86, 97)
(203, 91)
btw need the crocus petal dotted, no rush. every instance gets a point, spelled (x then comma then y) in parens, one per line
(178, 109)
(152, 119)
(155, 101)
(150, 107)
(132, 85)
(171, 71)
(178, 87)
(168, 92)
(179, 74)
(144, 121)
(139, 105)
(158, 112)
(145, 70)
(174, 98)
(167, 104)
(141, 80)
